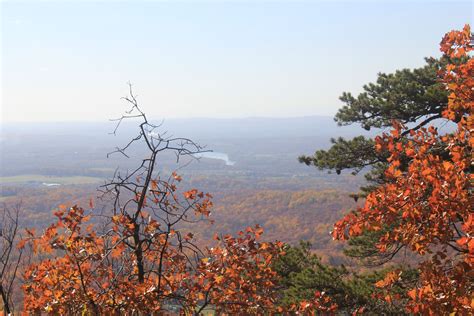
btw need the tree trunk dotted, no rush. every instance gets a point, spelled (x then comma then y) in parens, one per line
(6, 305)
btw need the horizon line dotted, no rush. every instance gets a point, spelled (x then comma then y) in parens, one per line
(170, 118)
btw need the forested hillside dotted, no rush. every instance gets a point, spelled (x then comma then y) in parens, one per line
(286, 215)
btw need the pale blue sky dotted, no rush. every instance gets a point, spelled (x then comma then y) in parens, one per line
(71, 60)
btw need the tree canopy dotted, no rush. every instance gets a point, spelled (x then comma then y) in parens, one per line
(426, 204)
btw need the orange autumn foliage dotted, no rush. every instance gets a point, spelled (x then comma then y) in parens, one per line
(91, 270)
(87, 267)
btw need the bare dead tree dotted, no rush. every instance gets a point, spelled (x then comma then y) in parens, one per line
(144, 189)
(10, 254)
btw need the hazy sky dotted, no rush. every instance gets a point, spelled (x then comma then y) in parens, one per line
(71, 60)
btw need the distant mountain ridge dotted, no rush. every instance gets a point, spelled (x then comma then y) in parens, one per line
(202, 128)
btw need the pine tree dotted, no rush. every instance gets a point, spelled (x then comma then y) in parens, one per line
(412, 97)
(302, 274)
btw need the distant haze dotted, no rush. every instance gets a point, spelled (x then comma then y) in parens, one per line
(196, 128)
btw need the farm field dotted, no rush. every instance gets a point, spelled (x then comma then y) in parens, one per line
(48, 180)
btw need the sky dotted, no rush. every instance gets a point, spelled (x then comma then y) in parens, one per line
(71, 60)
